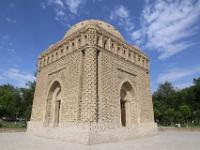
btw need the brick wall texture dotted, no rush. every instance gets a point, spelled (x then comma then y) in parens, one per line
(92, 65)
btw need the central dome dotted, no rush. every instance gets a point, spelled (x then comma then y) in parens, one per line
(108, 27)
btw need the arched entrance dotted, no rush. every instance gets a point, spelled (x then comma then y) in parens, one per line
(53, 105)
(126, 96)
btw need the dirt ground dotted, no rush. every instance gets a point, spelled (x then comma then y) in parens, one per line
(164, 140)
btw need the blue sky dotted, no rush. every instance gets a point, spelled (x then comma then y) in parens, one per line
(167, 31)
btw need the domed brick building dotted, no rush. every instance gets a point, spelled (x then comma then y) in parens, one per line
(92, 87)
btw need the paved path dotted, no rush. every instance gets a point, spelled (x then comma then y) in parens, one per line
(166, 140)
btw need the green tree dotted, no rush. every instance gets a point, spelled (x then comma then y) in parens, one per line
(169, 116)
(186, 112)
(177, 106)
(27, 95)
(9, 101)
(178, 117)
(164, 102)
(15, 102)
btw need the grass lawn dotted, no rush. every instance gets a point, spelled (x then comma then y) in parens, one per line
(8, 124)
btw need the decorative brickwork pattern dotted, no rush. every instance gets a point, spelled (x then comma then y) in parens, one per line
(92, 37)
(92, 87)
(89, 93)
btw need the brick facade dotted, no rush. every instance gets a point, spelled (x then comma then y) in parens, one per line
(82, 82)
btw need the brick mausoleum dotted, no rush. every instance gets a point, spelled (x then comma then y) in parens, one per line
(92, 87)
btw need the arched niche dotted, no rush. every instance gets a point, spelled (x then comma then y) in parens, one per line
(53, 105)
(127, 95)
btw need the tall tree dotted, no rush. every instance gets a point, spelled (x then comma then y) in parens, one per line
(9, 101)
(177, 106)
(186, 111)
(27, 98)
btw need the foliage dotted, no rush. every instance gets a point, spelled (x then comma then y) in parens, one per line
(9, 101)
(27, 98)
(172, 106)
(16, 103)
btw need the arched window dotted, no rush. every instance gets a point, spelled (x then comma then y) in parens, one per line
(104, 44)
(44, 62)
(56, 55)
(61, 51)
(79, 40)
(112, 45)
(97, 40)
(47, 60)
(52, 58)
(67, 47)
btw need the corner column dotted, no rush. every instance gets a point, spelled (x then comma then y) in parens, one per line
(89, 90)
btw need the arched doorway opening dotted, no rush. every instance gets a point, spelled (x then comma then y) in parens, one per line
(53, 105)
(126, 96)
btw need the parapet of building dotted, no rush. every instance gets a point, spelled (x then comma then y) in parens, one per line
(92, 87)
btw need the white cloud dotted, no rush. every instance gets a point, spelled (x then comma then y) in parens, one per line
(184, 85)
(73, 5)
(60, 13)
(177, 74)
(5, 37)
(63, 7)
(173, 49)
(11, 50)
(43, 5)
(123, 15)
(1, 78)
(8, 19)
(57, 3)
(12, 5)
(166, 25)
(15, 75)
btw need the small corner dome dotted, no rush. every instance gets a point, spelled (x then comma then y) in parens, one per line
(108, 27)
